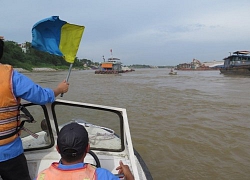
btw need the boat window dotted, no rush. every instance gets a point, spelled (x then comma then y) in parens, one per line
(247, 62)
(37, 135)
(104, 126)
(244, 58)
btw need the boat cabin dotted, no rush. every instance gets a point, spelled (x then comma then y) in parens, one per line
(238, 58)
(113, 64)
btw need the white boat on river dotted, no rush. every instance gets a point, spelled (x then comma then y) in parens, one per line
(172, 73)
(109, 134)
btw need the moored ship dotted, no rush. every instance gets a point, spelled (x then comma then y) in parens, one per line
(238, 63)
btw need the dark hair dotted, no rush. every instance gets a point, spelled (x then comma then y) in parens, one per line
(71, 159)
(1, 48)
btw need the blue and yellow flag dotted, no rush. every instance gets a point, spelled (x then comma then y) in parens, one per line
(57, 37)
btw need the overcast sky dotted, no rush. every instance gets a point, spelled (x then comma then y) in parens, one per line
(152, 32)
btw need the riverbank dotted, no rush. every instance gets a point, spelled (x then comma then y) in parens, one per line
(46, 69)
(36, 70)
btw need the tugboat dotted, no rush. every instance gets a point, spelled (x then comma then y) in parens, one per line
(238, 63)
(112, 66)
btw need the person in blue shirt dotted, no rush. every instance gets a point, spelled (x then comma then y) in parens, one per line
(14, 87)
(73, 145)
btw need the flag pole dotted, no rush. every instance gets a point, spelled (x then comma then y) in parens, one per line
(67, 78)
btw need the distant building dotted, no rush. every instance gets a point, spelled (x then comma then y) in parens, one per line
(23, 47)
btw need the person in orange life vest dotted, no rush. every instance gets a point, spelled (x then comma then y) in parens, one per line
(73, 145)
(14, 87)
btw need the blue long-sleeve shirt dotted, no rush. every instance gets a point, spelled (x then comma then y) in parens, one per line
(25, 88)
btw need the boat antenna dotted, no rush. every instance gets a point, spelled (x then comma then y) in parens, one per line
(111, 53)
(103, 58)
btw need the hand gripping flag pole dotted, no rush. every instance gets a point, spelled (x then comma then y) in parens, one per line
(57, 37)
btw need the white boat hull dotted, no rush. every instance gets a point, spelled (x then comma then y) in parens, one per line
(106, 145)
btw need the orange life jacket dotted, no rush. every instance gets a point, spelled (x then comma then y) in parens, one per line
(9, 106)
(87, 172)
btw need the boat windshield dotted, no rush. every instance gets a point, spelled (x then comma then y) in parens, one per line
(37, 135)
(104, 126)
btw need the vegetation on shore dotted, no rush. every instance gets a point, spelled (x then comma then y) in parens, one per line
(29, 58)
(32, 58)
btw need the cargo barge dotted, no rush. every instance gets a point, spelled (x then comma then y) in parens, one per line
(196, 65)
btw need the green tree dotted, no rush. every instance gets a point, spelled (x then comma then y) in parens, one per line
(14, 56)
